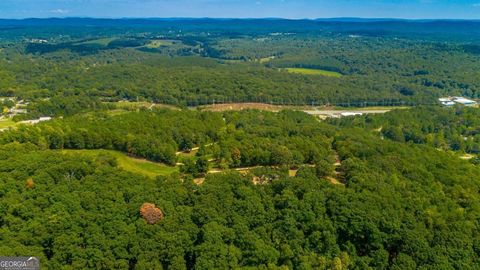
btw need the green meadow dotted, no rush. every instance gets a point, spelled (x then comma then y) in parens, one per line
(130, 164)
(266, 59)
(5, 123)
(158, 43)
(100, 41)
(309, 71)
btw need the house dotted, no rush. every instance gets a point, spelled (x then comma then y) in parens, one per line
(446, 102)
(346, 114)
(47, 118)
(18, 111)
(464, 101)
(36, 121)
(451, 101)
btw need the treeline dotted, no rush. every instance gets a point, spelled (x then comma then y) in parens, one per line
(64, 104)
(455, 129)
(259, 138)
(152, 135)
(192, 81)
(376, 71)
(234, 139)
(84, 47)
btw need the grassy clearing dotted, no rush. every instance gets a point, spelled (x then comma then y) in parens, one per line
(132, 106)
(467, 156)
(6, 123)
(124, 105)
(134, 165)
(308, 71)
(154, 44)
(266, 59)
(187, 154)
(116, 112)
(100, 41)
(373, 108)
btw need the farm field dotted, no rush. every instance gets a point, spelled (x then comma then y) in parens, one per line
(308, 71)
(130, 164)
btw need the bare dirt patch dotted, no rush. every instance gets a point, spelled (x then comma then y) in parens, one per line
(199, 181)
(242, 106)
(335, 181)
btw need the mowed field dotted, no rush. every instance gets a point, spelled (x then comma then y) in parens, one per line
(100, 41)
(130, 164)
(318, 72)
(158, 43)
(266, 59)
(6, 123)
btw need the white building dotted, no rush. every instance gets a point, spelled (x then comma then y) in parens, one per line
(464, 101)
(451, 101)
(346, 114)
(36, 121)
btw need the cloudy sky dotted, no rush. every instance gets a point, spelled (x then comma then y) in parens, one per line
(449, 9)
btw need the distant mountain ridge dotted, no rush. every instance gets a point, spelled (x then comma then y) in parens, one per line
(102, 21)
(429, 29)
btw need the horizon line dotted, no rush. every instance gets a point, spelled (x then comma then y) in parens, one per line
(244, 18)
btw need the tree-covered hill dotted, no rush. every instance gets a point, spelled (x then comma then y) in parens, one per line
(455, 129)
(194, 62)
(399, 205)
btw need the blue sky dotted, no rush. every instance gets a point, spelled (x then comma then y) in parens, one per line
(434, 9)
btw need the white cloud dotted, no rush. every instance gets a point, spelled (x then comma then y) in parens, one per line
(60, 11)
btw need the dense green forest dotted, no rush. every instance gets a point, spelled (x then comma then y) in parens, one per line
(111, 184)
(393, 205)
(443, 128)
(194, 63)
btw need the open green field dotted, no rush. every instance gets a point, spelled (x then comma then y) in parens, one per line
(158, 43)
(266, 59)
(100, 41)
(308, 71)
(125, 105)
(5, 123)
(134, 165)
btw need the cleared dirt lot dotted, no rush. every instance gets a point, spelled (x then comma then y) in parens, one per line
(319, 111)
(243, 106)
